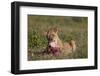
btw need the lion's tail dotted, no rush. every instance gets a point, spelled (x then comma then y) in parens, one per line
(73, 44)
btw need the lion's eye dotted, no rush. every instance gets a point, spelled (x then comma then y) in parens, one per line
(53, 35)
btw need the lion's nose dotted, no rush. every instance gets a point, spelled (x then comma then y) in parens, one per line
(49, 45)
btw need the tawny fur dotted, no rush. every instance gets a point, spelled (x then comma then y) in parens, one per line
(66, 47)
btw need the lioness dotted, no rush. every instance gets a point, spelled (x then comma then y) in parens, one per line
(55, 45)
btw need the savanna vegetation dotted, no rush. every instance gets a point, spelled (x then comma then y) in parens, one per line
(75, 28)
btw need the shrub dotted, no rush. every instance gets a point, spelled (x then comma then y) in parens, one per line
(35, 40)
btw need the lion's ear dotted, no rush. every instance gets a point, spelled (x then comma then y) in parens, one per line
(56, 29)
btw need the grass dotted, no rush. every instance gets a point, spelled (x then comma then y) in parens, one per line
(69, 28)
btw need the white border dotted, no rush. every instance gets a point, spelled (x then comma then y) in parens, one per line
(26, 65)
